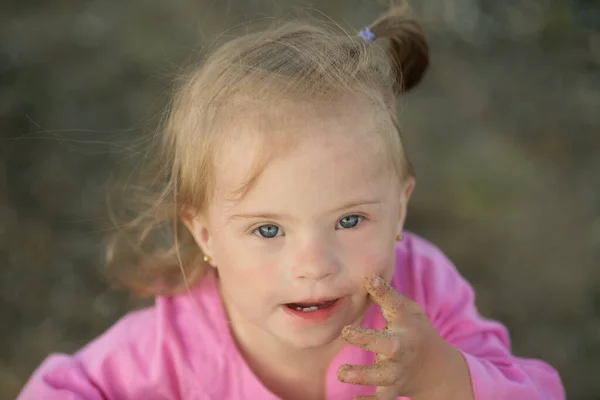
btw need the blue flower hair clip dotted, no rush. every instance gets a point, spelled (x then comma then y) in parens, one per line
(367, 35)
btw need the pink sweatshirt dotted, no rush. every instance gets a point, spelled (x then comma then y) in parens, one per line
(182, 349)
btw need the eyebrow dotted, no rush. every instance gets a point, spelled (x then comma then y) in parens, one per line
(266, 215)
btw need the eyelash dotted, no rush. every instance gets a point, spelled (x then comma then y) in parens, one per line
(360, 217)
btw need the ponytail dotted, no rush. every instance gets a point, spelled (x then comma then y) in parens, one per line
(408, 49)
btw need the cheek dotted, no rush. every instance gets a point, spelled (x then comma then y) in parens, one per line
(242, 267)
(375, 252)
(379, 261)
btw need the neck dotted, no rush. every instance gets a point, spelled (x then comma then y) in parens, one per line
(265, 352)
(283, 369)
(264, 349)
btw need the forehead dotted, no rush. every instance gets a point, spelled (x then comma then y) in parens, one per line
(303, 156)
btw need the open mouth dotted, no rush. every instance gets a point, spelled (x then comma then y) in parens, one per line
(311, 307)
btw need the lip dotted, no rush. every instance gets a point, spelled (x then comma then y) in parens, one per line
(314, 300)
(319, 316)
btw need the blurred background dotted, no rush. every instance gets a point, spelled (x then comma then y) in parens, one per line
(503, 132)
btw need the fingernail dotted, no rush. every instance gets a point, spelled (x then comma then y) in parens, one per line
(350, 375)
(376, 282)
(342, 372)
(346, 373)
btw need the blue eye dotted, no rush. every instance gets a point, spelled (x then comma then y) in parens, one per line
(268, 231)
(349, 222)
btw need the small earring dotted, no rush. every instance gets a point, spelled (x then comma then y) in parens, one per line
(207, 259)
(399, 238)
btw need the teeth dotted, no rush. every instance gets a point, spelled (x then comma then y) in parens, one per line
(307, 309)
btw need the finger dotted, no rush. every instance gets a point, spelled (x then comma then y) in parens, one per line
(380, 374)
(394, 306)
(386, 344)
(387, 393)
(382, 393)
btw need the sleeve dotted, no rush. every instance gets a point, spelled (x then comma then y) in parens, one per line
(139, 357)
(495, 373)
(60, 377)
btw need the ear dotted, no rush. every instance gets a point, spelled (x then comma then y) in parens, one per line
(406, 192)
(198, 227)
(407, 189)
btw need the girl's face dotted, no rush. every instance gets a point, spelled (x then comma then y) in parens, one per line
(293, 253)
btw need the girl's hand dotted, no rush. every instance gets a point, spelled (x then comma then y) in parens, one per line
(412, 359)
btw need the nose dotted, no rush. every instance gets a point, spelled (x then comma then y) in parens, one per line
(314, 259)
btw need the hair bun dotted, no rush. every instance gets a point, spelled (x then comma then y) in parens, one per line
(408, 50)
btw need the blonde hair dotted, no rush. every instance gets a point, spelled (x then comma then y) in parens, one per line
(295, 63)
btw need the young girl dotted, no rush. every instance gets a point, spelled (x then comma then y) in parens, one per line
(285, 184)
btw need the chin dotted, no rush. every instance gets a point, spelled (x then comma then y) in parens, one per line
(313, 338)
